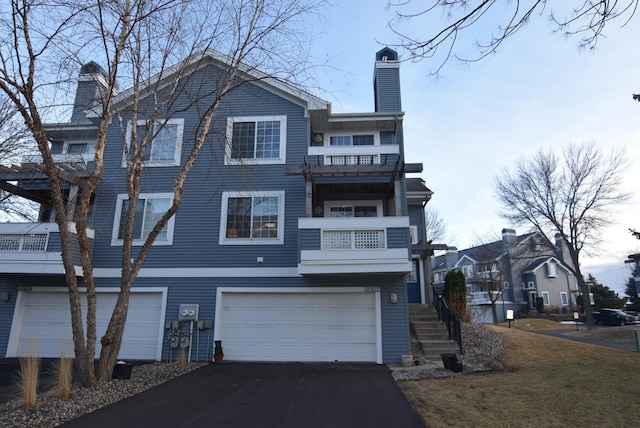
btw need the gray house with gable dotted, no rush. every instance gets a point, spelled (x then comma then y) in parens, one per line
(300, 236)
(517, 269)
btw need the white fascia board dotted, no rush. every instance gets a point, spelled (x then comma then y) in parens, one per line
(237, 272)
(558, 263)
(462, 258)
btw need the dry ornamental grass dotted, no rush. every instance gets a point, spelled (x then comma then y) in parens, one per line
(28, 380)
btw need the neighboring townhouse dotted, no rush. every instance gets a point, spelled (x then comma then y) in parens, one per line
(299, 237)
(512, 273)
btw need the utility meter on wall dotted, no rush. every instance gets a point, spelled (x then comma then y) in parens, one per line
(188, 312)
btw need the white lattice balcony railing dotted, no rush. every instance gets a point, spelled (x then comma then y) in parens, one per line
(478, 297)
(35, 242)
(354, 245)
(35, 248)
(353, 239)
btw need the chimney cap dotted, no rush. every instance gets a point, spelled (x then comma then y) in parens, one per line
(386, 54)
(93, 68)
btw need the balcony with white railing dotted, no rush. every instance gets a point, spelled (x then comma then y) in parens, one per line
(478, 298)
(354, 245)
(355, 155)
(35, 248)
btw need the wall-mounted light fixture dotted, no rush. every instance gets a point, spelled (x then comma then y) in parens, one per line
(393, 298)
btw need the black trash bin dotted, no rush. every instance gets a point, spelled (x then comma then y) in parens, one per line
(122, 371)
(449, 361)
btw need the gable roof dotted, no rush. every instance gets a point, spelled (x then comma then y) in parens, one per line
(208, 57)
(538, 263)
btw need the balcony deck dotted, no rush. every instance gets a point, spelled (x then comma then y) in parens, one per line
(35, 248)
(354, 245)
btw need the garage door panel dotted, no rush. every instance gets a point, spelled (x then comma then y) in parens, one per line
(46, 322)
(299, 326)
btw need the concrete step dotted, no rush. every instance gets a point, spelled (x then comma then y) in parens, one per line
(431, 333)
(427, 324)
(424, 317)
(432, 336)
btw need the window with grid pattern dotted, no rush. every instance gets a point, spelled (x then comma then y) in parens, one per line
(256, 139)
(252, 218)
(163, 141)
(148, 211)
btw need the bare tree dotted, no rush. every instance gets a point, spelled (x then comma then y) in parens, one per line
(574, 195)
(435, 225)
(141, 42)
(586, 19)
(14, 143)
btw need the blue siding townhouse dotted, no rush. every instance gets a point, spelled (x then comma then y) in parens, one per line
(299, 238)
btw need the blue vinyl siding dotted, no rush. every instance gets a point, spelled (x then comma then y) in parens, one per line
(416, 218)
(387, 87)
(197, 223)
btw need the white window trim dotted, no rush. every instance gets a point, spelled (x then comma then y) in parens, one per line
(467, 271)
(413, 232)
(412, 277)
(178, 150)
(531, 285)
(91, 147)
(223, 240)
(505, 285)
(564, 298)
(552, 270)
(329, 204)
(253, 161)
(545, 298)
(327, 138)
(137, 242)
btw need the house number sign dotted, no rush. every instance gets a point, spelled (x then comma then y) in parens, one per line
(371, 289)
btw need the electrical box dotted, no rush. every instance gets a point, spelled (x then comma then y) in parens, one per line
(188, 312)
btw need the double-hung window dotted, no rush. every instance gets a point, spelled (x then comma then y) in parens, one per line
(149, 209)
(545, 298)
(164, 141)
(353, 209)
(252, 218)
(256, 140)
(564, 298)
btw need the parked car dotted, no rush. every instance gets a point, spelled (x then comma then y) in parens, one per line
(612, 317)
(634, 314)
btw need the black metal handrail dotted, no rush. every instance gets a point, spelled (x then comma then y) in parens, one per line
(449, 318)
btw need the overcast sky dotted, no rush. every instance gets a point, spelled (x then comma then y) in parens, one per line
(539, 91)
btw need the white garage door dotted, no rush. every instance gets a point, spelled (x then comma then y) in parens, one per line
(44, 323)
(299, 326)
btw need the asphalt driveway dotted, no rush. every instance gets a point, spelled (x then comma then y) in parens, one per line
(265, 395)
